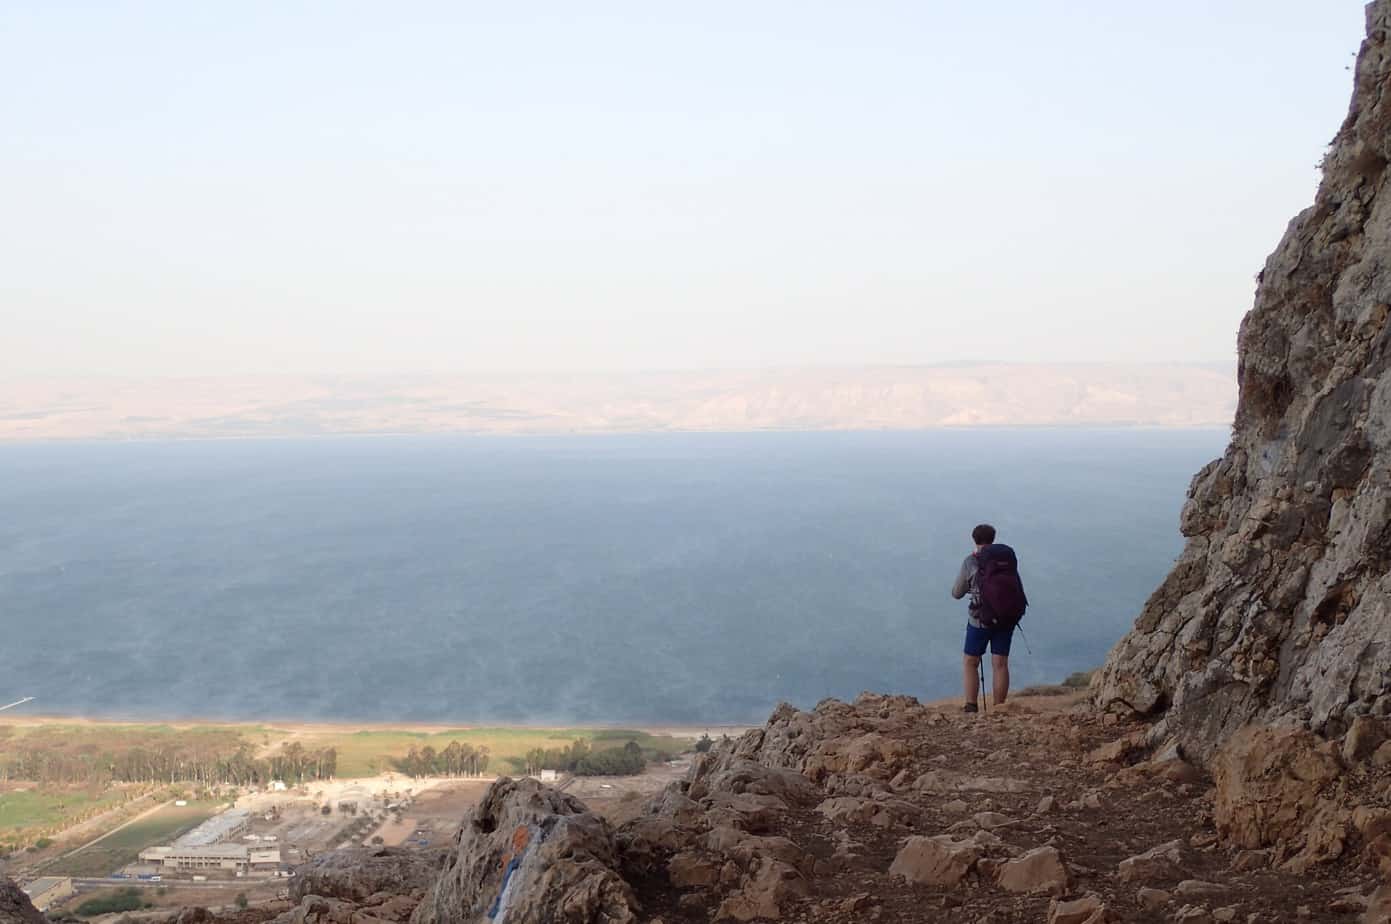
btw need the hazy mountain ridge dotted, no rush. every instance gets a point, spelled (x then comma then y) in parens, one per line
(850, 398)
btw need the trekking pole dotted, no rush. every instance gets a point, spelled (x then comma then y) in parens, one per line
(1026, 640)
(983, 696)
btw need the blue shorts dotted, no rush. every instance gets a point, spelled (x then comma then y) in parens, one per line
(998, 639)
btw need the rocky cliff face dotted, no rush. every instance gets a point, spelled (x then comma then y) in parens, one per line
(1280, 606)
(15, 907)
(886, 810)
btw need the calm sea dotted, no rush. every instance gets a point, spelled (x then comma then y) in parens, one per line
(619, 579)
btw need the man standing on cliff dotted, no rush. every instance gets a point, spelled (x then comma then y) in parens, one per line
(991, 576)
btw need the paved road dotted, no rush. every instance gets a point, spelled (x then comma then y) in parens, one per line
(109, 883)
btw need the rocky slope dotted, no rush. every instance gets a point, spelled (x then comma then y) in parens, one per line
(1280, 606)
(887, 810)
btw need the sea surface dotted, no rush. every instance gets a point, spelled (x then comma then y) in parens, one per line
(653, 579)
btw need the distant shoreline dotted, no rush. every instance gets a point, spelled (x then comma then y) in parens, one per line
(156, 439)
(299, 726)
(792, 399)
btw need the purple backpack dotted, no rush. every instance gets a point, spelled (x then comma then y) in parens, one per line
(1002, 600)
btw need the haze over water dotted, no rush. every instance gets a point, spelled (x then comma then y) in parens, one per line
(675, 578)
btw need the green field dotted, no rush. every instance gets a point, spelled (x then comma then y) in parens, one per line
(44, 807)
(29, 814)
(366, 753)
(123, 846)
(360, 753)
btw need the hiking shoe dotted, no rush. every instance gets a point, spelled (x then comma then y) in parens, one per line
(970, 707)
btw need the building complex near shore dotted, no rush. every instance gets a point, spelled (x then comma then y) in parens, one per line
(237, 859)
(220, 827)
(200, 851)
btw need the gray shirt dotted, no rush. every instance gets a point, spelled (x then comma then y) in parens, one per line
(966, 584)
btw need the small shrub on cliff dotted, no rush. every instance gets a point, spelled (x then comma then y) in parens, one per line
(1079, 680)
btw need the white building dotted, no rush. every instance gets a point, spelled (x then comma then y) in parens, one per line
(236, 859)
(220, 827)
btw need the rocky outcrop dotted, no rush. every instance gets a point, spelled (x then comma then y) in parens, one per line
(1280, 605)
(528, 854)
(355, 874)
(15, 907)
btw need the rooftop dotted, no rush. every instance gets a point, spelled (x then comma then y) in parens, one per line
(214, 829)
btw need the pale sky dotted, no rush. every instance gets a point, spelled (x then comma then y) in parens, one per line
(244, 188)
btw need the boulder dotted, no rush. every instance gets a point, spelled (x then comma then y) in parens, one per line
(772, 885)
(355, 873)
(862, 738)
(313, 909)
(1200, 888)
(1363, 738)
(1039, 870)
(1088, 909)
(1270, 782)
(534, 855)
(15, 907)
(1158, 864)
(1378, 906)
(887, 813)
(691, 870)
(937, 861)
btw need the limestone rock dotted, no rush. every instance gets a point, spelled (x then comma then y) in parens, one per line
(1280, 604)
(691, 870)
(1199, 888)
(1270, 785)
(15, 907)
(1153, 899)
(1158, 864)
(312, 909)
(196, 914)
(1086, 910)
(989, 821)
(888, 813)
(1039, 870)
(938, 861)
(536, 855)
(1378, 906)
(863, 738)
(1363, 738)
(771, 886)
(355, 873)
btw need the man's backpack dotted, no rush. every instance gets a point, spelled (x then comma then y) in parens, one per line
(1002, 600)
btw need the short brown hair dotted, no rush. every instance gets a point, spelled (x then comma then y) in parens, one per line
(983, 534)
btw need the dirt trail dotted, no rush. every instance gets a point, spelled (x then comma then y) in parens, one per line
(1036, 766)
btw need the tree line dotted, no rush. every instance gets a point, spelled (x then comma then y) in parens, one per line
(457, 759)
(166, 761)
(581, 759)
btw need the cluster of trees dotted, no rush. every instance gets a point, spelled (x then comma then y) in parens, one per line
(204, 759)
(457, 759)
(581, 759)
(127, 899)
